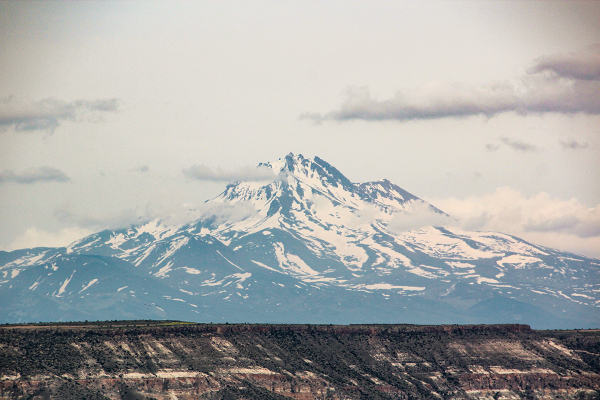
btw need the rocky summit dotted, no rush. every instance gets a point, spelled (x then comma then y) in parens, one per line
(304, 244)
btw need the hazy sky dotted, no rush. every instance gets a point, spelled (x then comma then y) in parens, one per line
(489, 110)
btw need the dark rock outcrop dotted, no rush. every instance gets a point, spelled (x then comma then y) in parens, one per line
(172, 360)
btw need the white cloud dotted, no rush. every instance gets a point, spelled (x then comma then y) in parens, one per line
(560, 83)
(229, 212)
(34, 175)
(518, 145)
(420, 215)
(68, 215)
(204, 173)
(36, 237)
(541, 219)
(47, 114)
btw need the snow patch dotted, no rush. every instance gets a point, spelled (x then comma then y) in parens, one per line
(63, 287)
(518, 261)
(192, 271)
(388, 286)
(487, 280)
(162, 273)
(456, 264)
(229, 261)
(88, 285)
(264, 266)
(36, 284)
(292, 262)
(582, 295)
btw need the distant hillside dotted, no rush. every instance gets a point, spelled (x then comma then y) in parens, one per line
(176, 360)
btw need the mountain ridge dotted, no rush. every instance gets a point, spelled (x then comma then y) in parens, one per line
(311, 244)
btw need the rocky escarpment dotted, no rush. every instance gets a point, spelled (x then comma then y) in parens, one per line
(149, 360)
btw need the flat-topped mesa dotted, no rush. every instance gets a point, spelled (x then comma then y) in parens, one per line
(170, 359)
(372, 329)
(120, 328)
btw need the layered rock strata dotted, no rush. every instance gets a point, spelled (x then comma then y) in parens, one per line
(149, 360)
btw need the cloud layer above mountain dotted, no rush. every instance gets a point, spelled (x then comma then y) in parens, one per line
(204, 173)
(559, 83)
(541, 219)
(420, 215)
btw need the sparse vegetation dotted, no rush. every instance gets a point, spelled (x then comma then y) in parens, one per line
(143, 360)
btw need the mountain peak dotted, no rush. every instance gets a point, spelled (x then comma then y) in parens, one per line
(292, 162)
(302, 168)
(288, 163)
(327, 180)
(293, 247)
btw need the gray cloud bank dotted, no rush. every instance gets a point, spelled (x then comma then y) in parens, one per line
(571, 224)
(574, 145)
(518, 145)
(584, 65)
(204, 173)
(48, 114)
(560, 83)
(419, 216)
(141, 168)
(67, 214)
(508, 210)
(34, 175)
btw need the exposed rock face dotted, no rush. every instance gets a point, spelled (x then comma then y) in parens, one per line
(304, 362)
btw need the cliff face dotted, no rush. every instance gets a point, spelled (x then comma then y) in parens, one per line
(302, 362)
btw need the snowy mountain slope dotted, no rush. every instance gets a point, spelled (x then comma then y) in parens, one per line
(322, 228)
(80, 285)
(311, 246)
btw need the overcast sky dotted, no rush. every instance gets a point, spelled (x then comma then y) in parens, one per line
(113, 113)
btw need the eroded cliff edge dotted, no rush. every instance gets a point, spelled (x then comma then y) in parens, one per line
(151, 360)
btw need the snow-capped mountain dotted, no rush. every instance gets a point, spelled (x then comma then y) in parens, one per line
(306, 246)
